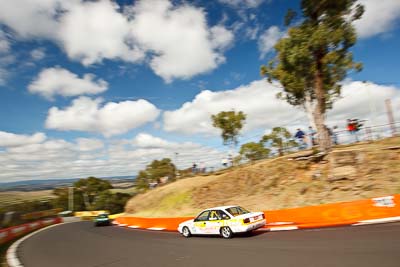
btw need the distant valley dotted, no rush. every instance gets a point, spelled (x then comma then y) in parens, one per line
(49, 184)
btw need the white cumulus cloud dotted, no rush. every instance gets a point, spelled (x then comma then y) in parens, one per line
(59, 81)
(89, 144)
(38, 54)
(13, 140)
(57, 158)
(32, 19)
(379, 17)
(4, 43)
(175, 40)
(90, 115)
(268, 39)
(145, 140)
(242, 3)
(257, 100)
(178, 38)
(264, 111)
(365, 101)
(5, 57)
(93, 31)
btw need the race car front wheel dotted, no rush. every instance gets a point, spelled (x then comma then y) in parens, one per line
(186, 232)
(226, 232)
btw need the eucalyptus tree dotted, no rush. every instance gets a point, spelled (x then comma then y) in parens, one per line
(230, 123)
(279, 138)
(314, 57)
(254, 151)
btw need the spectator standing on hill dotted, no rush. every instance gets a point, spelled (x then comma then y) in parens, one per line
(202, 167)
(352, 128)
(224, 162)
(230, 160)
(333, 135)
(194, 167)
(300, 135)
(311, 137)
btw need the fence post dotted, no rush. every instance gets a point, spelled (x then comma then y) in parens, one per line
(369, 133)
(389, 112)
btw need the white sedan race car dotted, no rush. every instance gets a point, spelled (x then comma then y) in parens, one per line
(224, 221)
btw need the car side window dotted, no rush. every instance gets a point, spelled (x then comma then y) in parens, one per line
(214, 216)
(222, 215)
(234, 211)
(203, 216)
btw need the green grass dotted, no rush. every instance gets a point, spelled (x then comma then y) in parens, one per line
(3, 251)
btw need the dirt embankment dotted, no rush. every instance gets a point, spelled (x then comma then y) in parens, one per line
(347, 173)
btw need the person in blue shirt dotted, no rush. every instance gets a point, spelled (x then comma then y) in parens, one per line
(300, 135)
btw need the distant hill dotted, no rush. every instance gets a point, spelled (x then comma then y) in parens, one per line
(47, 184)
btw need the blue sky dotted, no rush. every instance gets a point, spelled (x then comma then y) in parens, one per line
(102, 88)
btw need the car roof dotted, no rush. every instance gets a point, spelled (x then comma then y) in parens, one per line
(221, 207)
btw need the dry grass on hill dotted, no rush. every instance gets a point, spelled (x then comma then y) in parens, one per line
(351, 172)
(13, 197)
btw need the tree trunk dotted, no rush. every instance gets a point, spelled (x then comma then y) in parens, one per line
(280, 151)
(87, 201)
(309, 106)
(324, 139)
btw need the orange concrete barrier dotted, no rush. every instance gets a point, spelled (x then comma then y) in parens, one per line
(327, 215)
(339, 213)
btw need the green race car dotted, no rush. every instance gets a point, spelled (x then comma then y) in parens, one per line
(102, 219)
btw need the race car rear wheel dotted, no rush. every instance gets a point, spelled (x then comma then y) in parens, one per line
(186, 232)
(226, 232)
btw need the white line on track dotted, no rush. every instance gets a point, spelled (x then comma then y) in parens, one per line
(155, 228)
(279, 223)
(11, 256)
(283, 228)
(383, 220)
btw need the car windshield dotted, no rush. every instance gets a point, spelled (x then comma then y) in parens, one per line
(235, 211)
(102, 216)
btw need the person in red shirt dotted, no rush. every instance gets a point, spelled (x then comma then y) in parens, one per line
(351, 127)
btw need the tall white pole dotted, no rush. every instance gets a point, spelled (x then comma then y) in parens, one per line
(71, 198)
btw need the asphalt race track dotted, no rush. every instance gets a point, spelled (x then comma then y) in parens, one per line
(81, 244)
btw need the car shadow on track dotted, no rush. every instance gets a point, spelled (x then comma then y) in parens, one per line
(237, 235)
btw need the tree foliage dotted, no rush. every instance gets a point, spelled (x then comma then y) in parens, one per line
(142, 180)
(230, 123)
(114, 203)
(161, 168)
(254, 151)
(90, 188)
(62, 196)
(91, 194)
(315, 57)
(154, 171)
(279, 138)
